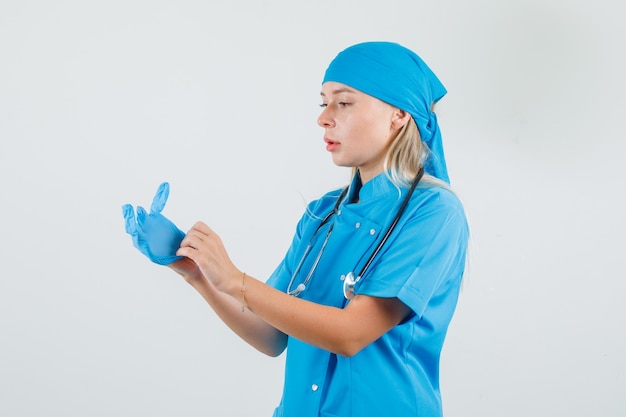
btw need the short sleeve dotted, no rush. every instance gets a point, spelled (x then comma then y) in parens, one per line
(428, 251)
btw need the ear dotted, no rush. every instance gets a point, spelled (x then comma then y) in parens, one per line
(399, 119)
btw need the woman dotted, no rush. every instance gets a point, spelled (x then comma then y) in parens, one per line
(364, 296)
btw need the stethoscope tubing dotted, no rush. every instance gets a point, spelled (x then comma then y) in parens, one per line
(393, 224)
(301, 287)
(304, 283)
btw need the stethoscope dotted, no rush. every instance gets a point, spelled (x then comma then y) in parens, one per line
(349, 280)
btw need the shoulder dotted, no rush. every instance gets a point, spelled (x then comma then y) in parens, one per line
(438, 195)
(438, 204)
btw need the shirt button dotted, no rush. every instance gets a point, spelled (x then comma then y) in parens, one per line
(357, 225)
(338, 212)
(314, 387)
(372, 231)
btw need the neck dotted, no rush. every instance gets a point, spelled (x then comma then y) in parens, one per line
(367, 174)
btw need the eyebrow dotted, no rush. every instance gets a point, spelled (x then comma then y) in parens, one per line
(338, 91)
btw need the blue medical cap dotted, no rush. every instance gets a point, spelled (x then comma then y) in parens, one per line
(396, 75)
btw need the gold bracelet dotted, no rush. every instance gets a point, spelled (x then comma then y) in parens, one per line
(244, 305)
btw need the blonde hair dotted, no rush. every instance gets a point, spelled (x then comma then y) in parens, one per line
(405, 156)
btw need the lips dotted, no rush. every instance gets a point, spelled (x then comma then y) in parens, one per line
(331, 145)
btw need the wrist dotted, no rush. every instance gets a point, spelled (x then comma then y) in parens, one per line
(230, 284)
(244, 303)
(237, 286)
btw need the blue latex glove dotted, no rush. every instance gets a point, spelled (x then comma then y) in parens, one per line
(153, 234)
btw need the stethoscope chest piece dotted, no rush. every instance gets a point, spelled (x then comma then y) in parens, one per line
(349, 281)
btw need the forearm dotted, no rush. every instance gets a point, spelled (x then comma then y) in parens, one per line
(344, 331)
(245, 324)
(252, 329)
(327, 327)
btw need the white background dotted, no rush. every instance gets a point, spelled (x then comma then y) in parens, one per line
(102, 101)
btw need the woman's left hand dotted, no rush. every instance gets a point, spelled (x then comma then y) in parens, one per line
(203, 246)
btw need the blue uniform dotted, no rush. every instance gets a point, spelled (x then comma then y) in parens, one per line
(421, 264)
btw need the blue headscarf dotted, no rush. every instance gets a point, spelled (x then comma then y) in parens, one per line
(397, 76)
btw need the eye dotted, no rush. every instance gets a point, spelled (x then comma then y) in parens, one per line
(339, 104)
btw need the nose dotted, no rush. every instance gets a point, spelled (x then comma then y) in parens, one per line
(325, 119)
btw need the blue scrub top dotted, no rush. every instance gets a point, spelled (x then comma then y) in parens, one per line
(421, 264)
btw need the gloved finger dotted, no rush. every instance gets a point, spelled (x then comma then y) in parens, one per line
(129, 219)
(141, 217)
(160, 198)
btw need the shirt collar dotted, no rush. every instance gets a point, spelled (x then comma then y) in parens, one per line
(379, 186)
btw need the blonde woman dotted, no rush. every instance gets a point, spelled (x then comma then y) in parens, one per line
(363, 298)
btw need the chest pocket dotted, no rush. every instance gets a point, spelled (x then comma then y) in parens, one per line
(350, 244)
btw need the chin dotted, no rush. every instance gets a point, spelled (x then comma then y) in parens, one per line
(342, 163)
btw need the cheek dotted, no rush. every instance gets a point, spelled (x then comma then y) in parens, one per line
(378, 120)
(366, 127)
(376, 132)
